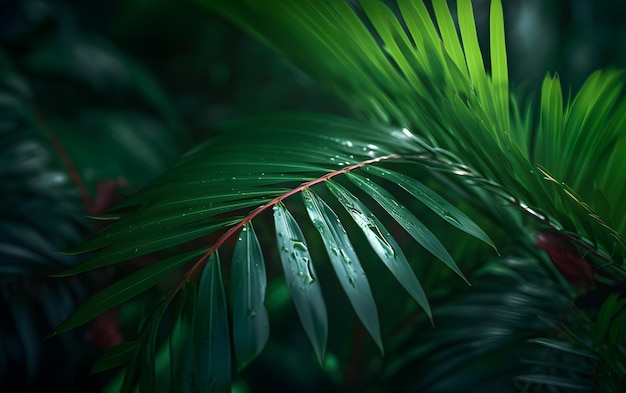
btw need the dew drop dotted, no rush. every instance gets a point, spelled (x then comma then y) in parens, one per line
(345, 257)
(309, 269)
(298, 245)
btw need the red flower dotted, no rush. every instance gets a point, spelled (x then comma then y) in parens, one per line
(567, 259)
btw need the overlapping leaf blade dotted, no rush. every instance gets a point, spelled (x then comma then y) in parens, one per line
(146, 241)
(181, 345)
(116, 356)
(250, 320)
(345, 262)
(499, 66)
(471, 49)
(385, 246)
(559, 382)
(407, 220)
(125, 289)
(433, 201)
(140, 372)
(301, 279)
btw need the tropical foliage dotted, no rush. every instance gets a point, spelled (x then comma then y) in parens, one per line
(438, 147)
(64, 115)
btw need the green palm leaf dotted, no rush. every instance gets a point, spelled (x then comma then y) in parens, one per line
(301, 279)
(211, 337)
(206, 194)
(588, 348)
(409, 222)
(382, 242)
(345, 262)
(250, 320)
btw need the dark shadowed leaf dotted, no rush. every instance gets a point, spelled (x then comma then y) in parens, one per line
(301, 279)
(27, 333)
(125, 289)
(128, 245)
(554, 381)
(141, 371)
(563, 346)
(116, 356)
(250, 321)
(211, 333)
(181, 343)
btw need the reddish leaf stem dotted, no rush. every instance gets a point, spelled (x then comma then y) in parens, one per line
(202, 261)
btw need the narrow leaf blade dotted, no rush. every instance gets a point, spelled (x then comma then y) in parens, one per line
(385, 246)
(407, 220)
(180, 340)
(125, 289)
(499, 66)
(449, 35)
(116, 356)
(250, 320)
(472, 51)
(156, 239)
(434, 202)
(345, 263)
(555, 381)
(211, 333)
(301, 279)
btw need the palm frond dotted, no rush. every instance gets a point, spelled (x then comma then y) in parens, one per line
(481, 337)
(215, 193)
(589, 352)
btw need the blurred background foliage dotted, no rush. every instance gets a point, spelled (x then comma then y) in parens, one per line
(97, 98)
